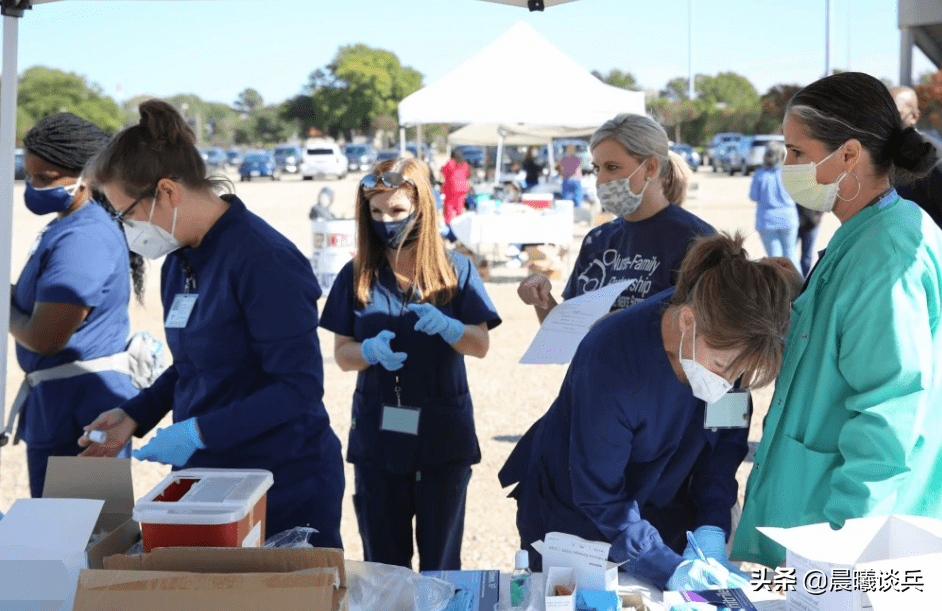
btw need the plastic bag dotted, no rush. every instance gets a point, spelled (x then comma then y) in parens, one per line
(372, 586)
(291, 538)
(146, 356)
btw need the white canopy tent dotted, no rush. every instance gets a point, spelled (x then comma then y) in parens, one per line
(520, 78)
(486, 134)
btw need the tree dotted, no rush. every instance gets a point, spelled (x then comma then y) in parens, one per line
(728, 88)
(773, 103)
(43, 91)
(248, 101)
(346, 96)
(929, 94)
(617, 78)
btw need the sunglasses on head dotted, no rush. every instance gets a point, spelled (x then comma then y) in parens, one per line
(393, 180)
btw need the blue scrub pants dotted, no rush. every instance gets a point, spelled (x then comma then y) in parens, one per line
(38, 458)
(807, 239)
(572, 190)
(385, 504)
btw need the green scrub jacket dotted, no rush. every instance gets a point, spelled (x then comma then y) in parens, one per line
(854, 425)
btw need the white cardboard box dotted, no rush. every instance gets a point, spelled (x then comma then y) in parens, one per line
(589, 559)
(557, 576)
(893, 558)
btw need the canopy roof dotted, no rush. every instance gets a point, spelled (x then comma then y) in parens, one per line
(519, 78)
(484, 134)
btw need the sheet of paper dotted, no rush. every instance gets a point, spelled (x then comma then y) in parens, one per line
(567, 324)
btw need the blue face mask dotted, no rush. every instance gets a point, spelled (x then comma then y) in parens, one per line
(394, 233)
(50, 199)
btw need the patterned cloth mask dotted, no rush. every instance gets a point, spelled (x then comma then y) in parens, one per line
(617, 197)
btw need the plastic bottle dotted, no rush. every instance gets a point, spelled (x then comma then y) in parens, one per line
(520, 581)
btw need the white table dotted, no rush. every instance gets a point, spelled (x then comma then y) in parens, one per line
(515, 224)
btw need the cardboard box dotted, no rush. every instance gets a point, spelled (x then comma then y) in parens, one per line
(905, 551)
(84, 516)
(196, 579)
(565, 577)
(589, 559)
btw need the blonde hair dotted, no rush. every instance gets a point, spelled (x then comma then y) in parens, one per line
(434, 277)
(739, 304)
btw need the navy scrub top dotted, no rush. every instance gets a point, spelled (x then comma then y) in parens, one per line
(80, 259)
(248, 363)
(621, 439)
(433, 377)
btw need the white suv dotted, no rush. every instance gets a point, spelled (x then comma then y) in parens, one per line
(323, 157)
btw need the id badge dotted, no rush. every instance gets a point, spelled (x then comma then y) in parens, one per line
(180, 311)
(730, 412)
(400, 420)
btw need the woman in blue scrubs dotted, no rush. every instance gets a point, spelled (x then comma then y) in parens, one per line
(240, 304)
(69, 310)
(405, 313)
(638, 447)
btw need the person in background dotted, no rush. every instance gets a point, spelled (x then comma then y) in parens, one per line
(776, 214)
(405, 312)
(926, 192)
(532, 168)
(240, 306)
(809, 223)
(456, 172)
(69, 307)
(638, 181)
(852, 429)
(624, 455)
(571, 172)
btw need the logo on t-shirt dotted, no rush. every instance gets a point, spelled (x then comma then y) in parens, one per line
(611, 266)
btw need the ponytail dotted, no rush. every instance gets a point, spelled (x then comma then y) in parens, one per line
(674, 178)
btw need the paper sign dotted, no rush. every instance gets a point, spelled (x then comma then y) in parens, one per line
(588, 559)
(567, 324)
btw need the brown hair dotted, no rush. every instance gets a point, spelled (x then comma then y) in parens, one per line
(161, 145)
(739, 304)
(434, 276)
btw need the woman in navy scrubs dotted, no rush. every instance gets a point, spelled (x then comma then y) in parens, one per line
(240, 304)
(69, 309)
(635, 450)
(405, 313)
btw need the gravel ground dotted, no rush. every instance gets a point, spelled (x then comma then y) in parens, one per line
(508, 397)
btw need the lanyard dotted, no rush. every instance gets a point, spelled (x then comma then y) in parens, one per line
(189, 282)
(412, 293)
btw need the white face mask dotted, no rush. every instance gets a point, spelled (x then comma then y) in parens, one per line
(149, 240)
(617, 197)
(705, 384)
(801, 182)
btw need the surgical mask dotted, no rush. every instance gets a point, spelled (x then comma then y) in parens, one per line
(394, 233)
(801, 183)
(50, 199)
(705, 384)
(617, 197)
(149, 240)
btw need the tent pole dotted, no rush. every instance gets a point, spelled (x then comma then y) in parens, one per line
(7, 139)
(500, 153)
(550, 162)
(418, 142)
(402, 141)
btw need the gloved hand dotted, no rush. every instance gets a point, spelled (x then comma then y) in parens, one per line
(712, 541)
(173, 445)
(432, 321)
(693, 607)
(377, 350)
(699, 575)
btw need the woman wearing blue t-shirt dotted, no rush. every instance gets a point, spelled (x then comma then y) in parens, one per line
(776, 212)
(69, 312)
(641, 183)
(405, 313)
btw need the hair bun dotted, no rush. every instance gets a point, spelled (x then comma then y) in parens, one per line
(163, 124)
(909, 148)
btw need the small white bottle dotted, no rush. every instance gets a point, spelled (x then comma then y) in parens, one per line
(520, 581)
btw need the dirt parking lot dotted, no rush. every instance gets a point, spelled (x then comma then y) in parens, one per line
(508, 397)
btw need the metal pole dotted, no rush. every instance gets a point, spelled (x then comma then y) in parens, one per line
(827, 37)
(690, 84)
(7, 140)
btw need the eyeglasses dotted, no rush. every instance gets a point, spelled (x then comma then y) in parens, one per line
(119, 216)
(393, 180)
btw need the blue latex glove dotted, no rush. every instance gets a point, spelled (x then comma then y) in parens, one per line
(432, 321)
(712, 541)
(693, 607)
(699, 575)
(173, 445)
(377, 350)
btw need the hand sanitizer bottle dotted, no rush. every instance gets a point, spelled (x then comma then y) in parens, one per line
(520, 581)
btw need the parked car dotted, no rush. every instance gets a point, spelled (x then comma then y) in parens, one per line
(686, 151)
(748, 154)
(719, 146)
(474, 155)
(256, 164)
(426, 154)
(360, 157)
(322, 157)
(19, 171)
(234, 157)
(385, 154)
(215, 159)
(288, 158)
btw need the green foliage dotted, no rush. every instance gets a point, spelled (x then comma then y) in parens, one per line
(265, 125)
(346, 96)
(617, 78)
(249, 100)
(43, 91)
(725, 102)
(774, 102)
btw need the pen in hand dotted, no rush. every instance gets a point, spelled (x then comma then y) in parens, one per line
(695, 546)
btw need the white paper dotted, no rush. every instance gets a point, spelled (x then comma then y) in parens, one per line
(589, 559)
(567, 323)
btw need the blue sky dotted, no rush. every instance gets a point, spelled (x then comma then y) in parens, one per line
(217, 48)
